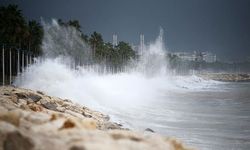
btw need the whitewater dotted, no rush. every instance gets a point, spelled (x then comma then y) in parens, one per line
(146, 95)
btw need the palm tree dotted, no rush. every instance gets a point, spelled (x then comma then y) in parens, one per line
(13, 27)
(75, 23)
(35, 37)
(95, 41)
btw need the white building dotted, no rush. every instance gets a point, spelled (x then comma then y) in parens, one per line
(188, 56)
(196, 56)
(209, 57)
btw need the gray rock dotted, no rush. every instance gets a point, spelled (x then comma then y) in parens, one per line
(47, 104)
(149, 130)
(40, 92)
(67, 100)
(50, 106)
(106, 117)
(43, 101)
(86, 115)
(34, 97)
(21, 95)
(110, 125)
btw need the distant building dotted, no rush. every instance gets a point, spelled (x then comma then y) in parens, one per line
(142, 44)
(141, 47)
(209, 57)
(115, 41)
(196, 56)
(185, 56)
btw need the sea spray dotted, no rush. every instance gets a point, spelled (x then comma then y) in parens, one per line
(64, 41)
(146, 95)
(153, 60)
(143, 83)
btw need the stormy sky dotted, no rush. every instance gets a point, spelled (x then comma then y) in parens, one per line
(218, 26)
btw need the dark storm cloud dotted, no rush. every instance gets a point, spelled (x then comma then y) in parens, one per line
(219, 26)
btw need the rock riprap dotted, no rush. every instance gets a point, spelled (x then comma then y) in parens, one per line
(226, 77)
(31, 120)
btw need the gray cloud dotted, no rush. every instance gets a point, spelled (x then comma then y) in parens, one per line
(219, 26)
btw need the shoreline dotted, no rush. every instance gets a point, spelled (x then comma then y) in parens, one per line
(226, 77)
(33, 120)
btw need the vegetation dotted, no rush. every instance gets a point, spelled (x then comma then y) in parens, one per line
(114, 56)
(16, 31)
(104, 52)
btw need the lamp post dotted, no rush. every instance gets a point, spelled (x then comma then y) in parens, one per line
(27, 59)
(30, 59)
(23, 61)
(10, 67)
(3, 64)
(18, 62)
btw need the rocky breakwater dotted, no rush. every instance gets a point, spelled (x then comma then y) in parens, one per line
(227, 77)
(31, 120)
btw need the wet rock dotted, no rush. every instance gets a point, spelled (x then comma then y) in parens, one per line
(40, 92)
(86, 115)
(16, 141)
(149, 130)
(110, 125)
(21, 95)
(67, 100)
(107, 118)
(34, 97)
(49, 105)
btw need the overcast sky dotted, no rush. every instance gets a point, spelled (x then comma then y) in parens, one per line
(218, 26)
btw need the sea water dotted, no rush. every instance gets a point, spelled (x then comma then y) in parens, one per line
(205, 114)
